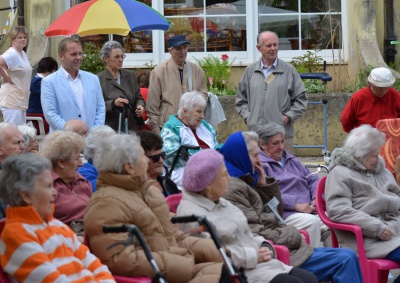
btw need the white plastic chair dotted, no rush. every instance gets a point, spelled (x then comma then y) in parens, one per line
(41, 134)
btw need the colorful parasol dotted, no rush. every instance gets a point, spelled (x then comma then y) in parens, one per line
(107, 17)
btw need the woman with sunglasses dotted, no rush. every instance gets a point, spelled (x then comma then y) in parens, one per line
(120, 89)
(152, 145)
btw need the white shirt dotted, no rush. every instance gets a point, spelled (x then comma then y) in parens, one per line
(79, 93)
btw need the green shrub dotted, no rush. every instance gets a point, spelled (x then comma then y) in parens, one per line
(310, 62)
(361, 80)
(91, 61)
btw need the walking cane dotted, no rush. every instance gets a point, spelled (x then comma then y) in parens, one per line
(119, 122)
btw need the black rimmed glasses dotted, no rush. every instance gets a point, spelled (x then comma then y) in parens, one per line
(156, 157)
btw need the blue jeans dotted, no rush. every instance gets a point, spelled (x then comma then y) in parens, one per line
(395, 256)
(334, 264)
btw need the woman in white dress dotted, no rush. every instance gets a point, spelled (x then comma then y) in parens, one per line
(16, 72)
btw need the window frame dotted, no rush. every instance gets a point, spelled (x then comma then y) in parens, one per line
(241, 58)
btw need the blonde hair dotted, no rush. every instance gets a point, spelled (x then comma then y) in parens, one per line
(15, 31)
(61, 145)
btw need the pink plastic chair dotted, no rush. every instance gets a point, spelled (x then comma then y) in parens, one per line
(373, 270)
(173, 201)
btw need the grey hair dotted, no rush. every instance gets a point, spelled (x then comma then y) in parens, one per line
(259, 42)
(189, 100)
(19, 174)
(266, 132)
(28, 132)
(94, 138)
(250, 136)
(116, 150)
(3, 127)
(108, 47)
(363, 140)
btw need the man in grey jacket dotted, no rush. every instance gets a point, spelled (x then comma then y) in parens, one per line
(271, 90)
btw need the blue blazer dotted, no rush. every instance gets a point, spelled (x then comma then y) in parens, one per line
(59, 103)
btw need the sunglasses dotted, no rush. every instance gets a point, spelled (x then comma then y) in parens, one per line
(156, 157)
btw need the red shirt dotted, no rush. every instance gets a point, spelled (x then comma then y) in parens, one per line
(365, 108)
(71, 201)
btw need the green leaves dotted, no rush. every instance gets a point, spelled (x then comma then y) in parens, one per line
(91, 61)
(218, 72)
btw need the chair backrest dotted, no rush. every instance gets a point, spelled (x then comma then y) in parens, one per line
(173, 201)
(3, 276)
(321, 209)
(391, 149)
(38, 123)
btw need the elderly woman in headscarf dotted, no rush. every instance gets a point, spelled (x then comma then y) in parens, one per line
(93, 139)
(64, 149)
(361, 191)
(187, 128)
(205, 181)
(36, 247)
(120, 89)
(242, 160)
(31, 143)
(125, 196)
(296, 183)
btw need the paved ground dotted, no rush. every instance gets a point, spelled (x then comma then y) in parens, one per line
(320, 160)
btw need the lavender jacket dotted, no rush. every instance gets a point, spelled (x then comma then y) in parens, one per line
(292, 181)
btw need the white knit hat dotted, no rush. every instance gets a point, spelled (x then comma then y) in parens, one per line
(381, 77)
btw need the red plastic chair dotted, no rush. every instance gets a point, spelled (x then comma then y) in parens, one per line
(373, 270)
(173, 202)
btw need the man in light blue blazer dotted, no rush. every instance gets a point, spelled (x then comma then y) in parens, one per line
(71, 93)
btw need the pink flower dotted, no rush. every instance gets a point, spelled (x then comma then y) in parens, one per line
(224, 57)
(224, 81)
(210, 79)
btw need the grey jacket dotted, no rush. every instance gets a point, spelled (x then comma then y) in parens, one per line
(370, 199)
(112, 90)
(266, 224)
(259, 103)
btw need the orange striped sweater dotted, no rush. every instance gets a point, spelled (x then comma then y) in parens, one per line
(32, 250)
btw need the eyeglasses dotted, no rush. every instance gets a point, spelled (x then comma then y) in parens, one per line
(156, 157)
(120, 57)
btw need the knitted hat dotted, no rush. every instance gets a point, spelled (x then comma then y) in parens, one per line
(201, 170)
(381, 77)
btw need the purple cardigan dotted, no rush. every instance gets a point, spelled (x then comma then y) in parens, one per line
(292, 181)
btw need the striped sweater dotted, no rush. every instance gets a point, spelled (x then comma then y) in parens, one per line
(32, 250)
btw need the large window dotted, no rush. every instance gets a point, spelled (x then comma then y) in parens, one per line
(302, 24)
(229, 26)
